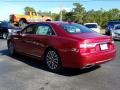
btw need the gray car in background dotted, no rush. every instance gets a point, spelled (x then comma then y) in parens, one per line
(115, 32)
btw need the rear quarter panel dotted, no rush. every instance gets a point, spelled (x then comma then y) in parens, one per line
(67, 48)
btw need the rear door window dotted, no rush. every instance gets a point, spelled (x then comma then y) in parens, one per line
(91, 25)
(43, 29)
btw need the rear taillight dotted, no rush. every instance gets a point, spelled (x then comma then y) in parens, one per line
(86, 48)
(88, 45)
(112, 42)
(111, 45)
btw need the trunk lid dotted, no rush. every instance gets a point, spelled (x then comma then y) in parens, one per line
(92, 37)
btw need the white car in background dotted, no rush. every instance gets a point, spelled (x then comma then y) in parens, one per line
(94, 26)
(115, 32)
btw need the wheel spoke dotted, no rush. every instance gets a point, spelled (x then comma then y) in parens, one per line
(55, 61)
(49, 63)
(51, 54)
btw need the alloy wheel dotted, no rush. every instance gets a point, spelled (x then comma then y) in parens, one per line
(52, 60)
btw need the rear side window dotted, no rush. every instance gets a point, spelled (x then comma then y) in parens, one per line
(75, 28)
(117, 27)
(91, 25)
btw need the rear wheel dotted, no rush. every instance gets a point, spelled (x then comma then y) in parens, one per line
(53, 60)
(11, 48)
(4, 35)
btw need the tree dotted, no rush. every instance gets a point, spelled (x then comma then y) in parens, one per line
(78, 12)
(29, 9)
(80, 15)
(44, 13)
(89, 16)
(69, 16)
(114, 14)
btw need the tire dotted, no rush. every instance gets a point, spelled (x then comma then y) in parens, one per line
(22, 23)
(11, 48)
(4, 35)
(52, 60)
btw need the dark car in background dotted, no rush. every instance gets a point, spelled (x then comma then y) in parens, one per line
(110, 26)
(115, 32)
(7, 28)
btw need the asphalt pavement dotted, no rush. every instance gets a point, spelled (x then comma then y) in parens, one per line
(24, 73)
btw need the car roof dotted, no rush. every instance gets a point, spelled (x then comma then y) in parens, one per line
(91, 23)
(52, 22)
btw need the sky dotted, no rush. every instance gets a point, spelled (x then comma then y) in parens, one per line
(8, 7)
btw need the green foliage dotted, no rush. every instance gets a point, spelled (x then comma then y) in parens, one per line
(80, 15)
(44, 13)
(29, 9)
(78, 12)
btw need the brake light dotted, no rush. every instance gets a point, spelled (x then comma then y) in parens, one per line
(113, 42)
(88, 45)
(87, 48)
(111, 45)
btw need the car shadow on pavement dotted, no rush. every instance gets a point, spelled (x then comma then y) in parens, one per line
(41, 65)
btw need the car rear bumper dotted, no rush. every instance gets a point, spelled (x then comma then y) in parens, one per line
(96, 58)
(86, 61)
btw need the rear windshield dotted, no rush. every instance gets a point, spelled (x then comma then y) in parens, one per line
(91, 25)
(75, 28)
(117, 27)
(112, 23)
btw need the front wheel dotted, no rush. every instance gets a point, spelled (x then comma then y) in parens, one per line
(52, 60)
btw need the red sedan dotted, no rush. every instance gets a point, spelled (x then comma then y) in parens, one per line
(63, 44)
